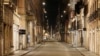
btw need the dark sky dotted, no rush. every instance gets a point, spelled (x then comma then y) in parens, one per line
(52, 11)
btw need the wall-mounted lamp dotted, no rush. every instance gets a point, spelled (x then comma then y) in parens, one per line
(45, 16)
(69, 4)
(43, 3)
(44, 10)
(64, 11)
(61, 16)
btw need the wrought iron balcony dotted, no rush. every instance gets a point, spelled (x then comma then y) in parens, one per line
(7, 1)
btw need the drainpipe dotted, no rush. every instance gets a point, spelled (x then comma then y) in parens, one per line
(76, 32)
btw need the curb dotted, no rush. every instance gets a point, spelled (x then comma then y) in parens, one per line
(31, 50)
(27, 50)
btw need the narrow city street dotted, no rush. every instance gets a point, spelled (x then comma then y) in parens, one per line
(68, 27)
(54, 48)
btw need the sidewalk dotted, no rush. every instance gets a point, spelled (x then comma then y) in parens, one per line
(53, 47)
(25, 51)
(82, 50)
(85, 52)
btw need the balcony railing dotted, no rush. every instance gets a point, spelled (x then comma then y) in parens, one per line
(7, 1)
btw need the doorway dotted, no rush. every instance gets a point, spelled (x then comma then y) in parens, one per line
(15, 37)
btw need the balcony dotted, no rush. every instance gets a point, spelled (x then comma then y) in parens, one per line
(7, 2)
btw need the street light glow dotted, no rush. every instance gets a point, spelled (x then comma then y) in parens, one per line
(69, 4)
(45, 11)
(45, 16)
(43, 3)
(61, 16)
(64, 11)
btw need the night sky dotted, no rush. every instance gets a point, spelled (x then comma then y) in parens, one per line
(52, 11)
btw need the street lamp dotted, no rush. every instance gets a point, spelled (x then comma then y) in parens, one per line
(61, 16)
(64, 11)
(45, 16)
(44, 10)
(43, 3)
(69, 4)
